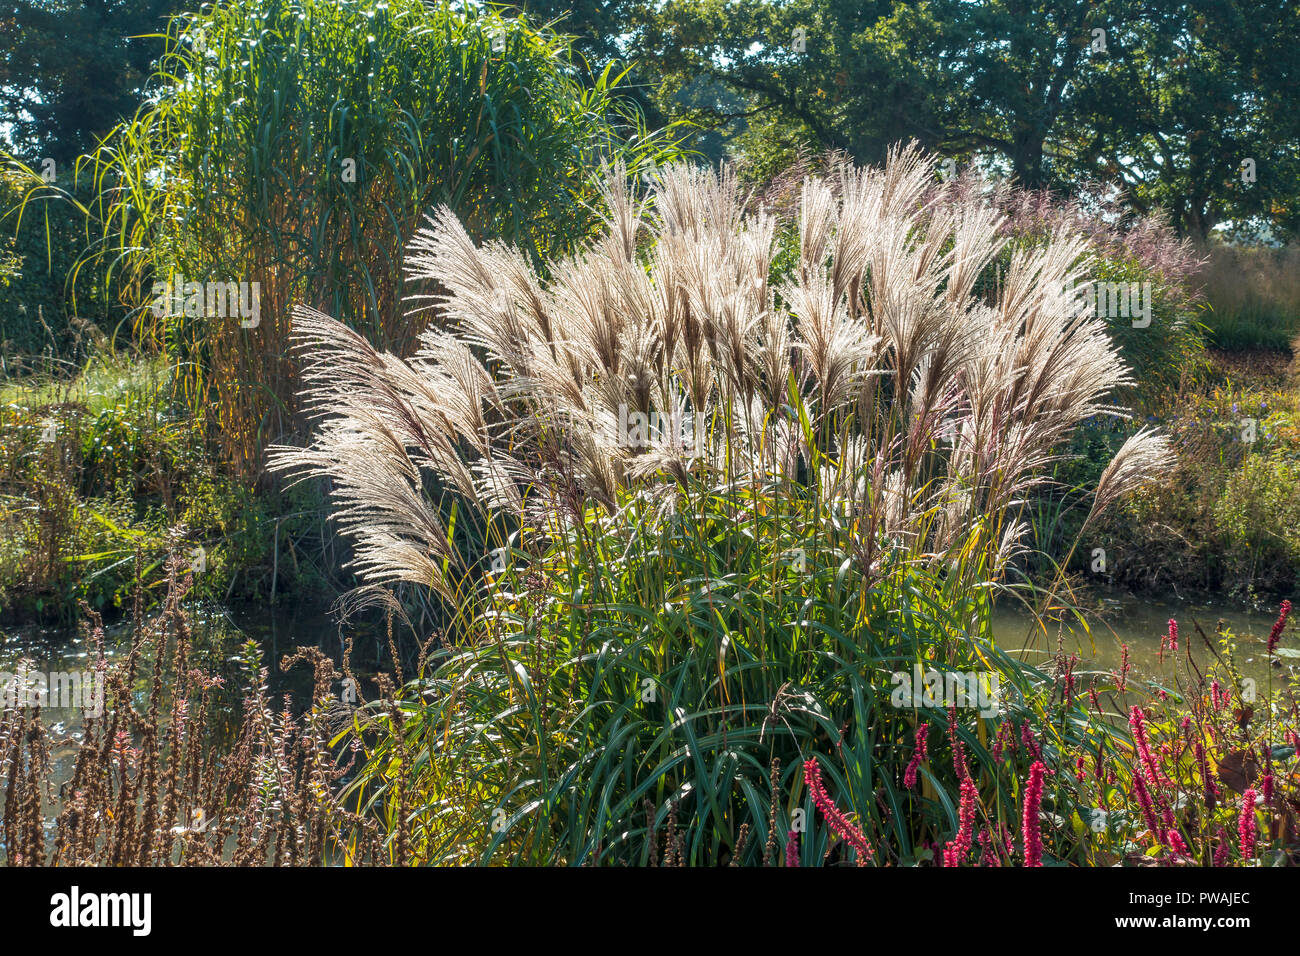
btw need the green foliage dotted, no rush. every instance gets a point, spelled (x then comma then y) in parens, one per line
(101, 468)
(1256, 327)
(650, 667)
(1253, 297)
(1052, 92)
(299, 143)
(599, 30)
(1056, 512)
(1176, 71)
(50, 313)
(1259, 516)
(1222, 520)
(1168, 353)
(71, 70)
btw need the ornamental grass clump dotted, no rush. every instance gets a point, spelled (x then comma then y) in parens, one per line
(694, 504)
(871, 375)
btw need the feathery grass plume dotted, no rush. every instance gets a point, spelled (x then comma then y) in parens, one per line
(1145, 454)
(659, 352)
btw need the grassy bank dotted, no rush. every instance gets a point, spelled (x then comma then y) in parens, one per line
(1222, 521)
(104, 475)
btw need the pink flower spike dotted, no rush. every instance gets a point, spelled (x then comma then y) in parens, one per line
(792, 849)
(1137, 720)
(1030, 820)
(1275, 635)
(836, 820)
(1247, 827)
(1221, 851)
(918, 757)
(1148, 808)
(958, 849)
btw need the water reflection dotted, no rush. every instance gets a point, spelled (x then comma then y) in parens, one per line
(1118, 619)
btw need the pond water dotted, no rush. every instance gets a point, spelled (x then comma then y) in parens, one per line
(217, 638)
(277, 631)
(1117, 619)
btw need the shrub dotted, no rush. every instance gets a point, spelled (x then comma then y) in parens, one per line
(1218, 520)
(1259, 514)
(85, 467)
(102, 477)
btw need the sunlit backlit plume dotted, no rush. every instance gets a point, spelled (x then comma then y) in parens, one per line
(678, 346)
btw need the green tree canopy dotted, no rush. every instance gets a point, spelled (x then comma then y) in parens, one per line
(1164, 99)
(70, 71)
